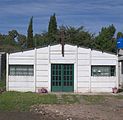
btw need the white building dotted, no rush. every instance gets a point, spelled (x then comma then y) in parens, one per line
(79, 70)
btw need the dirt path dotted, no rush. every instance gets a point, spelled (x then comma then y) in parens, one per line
(110, 109)
(19, 116)
(30, 116)
(82, 112)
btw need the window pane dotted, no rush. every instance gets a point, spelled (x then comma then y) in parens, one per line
(21, 70)
(122, 67)
(113, 71)
(103, 70)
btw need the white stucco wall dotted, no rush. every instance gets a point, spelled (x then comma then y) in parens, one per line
(84, 71)
(42, 68)
(20, 83)
(105, 84)
(82, 58)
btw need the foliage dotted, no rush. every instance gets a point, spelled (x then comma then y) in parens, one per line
(30, 34)
(41, 39)
(78, 36)
(105, 40)
(21, 40)
(10, 42)
(119, 35)
(52, 29)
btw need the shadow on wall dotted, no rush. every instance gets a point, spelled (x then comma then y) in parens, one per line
(3, 67)
(3, 73)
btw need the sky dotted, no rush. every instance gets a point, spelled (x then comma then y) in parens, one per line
(92, 14)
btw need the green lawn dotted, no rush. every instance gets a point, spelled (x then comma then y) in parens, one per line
(93, 99)
(18, 101)
(70, 99)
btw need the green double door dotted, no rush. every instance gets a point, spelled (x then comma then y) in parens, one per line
(62, 77)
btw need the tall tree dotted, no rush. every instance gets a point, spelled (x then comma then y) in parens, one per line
(30, 34)
(52, 28)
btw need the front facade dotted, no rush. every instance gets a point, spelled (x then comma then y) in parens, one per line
(79, 70)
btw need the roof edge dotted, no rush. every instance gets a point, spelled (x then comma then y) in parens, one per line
(27, 49)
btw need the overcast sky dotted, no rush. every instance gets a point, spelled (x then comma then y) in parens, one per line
(92, 14)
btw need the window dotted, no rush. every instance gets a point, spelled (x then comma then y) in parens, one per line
(21, 70)
(121, 67)
(102, 70)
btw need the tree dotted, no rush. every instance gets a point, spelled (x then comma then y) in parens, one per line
(41, 39)
(78, 36)
(30, 34)
(105, 40)
(21, 40)
(11, 38)
(52, 28)
(119, 35)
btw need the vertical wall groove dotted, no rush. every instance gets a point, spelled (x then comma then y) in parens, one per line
(7, 68)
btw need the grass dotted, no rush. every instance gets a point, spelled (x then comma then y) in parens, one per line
(87, 99)
(17, 101)
(93, 99)
(119, 96)
(70, 99)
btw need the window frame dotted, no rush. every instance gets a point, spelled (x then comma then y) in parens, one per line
(111, 69)
(21, 70)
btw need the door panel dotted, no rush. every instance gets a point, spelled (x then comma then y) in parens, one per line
(68, 78)
(56, 77)
(62, 77)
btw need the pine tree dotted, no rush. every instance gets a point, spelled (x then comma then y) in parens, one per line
(52, 28)
(30, 34)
